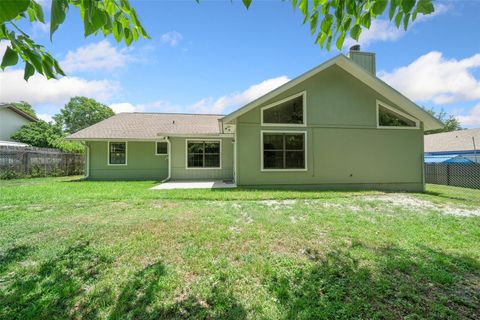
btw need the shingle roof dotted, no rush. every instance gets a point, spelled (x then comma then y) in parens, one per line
(19, 112)
(150, 126)
(452, 141)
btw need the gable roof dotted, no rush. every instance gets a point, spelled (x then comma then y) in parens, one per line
(19, 112)
(452, 141)
(430, 122)
(150, 126)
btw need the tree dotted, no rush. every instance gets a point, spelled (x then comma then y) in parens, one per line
(330, 21)
(451, 123)
(46, 135)
(25, 107)
(81, 112)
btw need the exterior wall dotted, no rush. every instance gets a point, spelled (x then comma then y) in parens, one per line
(142, 163)
(344, 147)
(180, 172)
(10, 122)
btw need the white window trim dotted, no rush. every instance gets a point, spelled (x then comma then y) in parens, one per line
(206, 140)
(304, 107)
(283, 131)
(403, 114)
(108, 154)
(161, 154)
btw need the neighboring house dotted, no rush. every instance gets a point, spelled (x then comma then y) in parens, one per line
(325, 129)
(11, 120)
(453, 147)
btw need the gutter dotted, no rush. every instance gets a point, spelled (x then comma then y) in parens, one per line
(169, 157)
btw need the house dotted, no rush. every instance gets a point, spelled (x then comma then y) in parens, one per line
(11, 120)
(453, 147)
(336, 126)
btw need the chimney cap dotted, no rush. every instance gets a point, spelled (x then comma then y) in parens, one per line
(355, 47)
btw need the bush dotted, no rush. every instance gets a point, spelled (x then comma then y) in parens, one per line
(9, 175)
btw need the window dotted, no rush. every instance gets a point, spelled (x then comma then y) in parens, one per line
(161, 148)
(203, 154)
(391, 118)
(290, 111)
(117, 153)
(283, 151)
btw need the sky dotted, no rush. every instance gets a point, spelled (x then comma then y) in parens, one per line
(216, 56)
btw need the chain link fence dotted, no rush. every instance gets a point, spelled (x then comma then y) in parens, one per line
(465, 175)
(20, 162)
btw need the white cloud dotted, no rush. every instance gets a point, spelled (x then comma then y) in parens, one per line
(95, 56)
(125, 107)
(237, 99)
(39, 90)
(219, 105)
(383, 30)
(45, 117)
(472, 119)
(434, 78)
(172, 38)
(41, 29)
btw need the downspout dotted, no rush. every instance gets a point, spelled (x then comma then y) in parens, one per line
(87, 163)
(169, 158)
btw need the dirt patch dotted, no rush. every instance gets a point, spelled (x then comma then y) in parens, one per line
(278, 204)
(401, 200)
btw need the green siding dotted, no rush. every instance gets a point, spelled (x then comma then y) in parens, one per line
(179, 171)
(344, 147)
(142, 163)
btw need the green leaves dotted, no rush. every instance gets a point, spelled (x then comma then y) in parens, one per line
(379, 6)
(10, 58)
(10, 9)
(425, 7)
(59, 10)
(332, 20)
(247, 3)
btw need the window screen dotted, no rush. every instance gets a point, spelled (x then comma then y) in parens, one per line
(203, 154)
(289, 112)
(283, 150)
(389, 118)
(117, 153)
(162, 148)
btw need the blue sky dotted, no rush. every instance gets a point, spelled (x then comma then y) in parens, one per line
(216, 56)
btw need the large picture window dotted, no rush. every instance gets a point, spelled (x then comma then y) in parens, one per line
(283, 151)
(391, 118)
(203, 154)
(290, 111)
(117, 153)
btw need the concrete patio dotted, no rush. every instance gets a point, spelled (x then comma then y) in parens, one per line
(214, 184)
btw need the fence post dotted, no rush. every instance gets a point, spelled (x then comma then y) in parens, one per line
(448, 174)
(25, 161)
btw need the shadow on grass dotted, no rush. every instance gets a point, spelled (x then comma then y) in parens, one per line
(426, 284)
(49, 292)
(394, 283)
(13, 255)
(144, 295)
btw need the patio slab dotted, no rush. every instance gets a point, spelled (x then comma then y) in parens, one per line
(214, 184)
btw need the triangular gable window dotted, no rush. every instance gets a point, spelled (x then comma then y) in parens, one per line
(391, 118)
(289, 111)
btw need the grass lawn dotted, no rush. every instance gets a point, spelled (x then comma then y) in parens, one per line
(117, 250)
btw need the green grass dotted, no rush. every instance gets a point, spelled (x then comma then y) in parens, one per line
(117, 250)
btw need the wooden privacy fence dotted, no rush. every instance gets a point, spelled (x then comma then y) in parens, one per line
(18, 162)
(453, 174)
